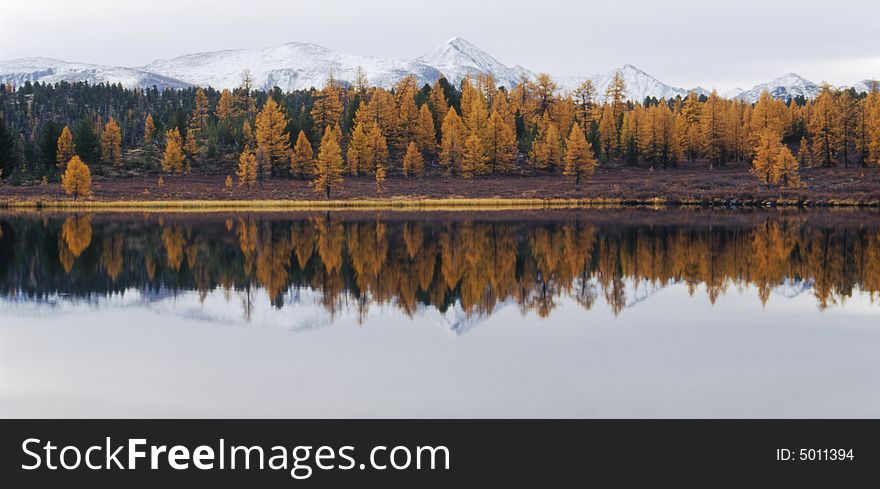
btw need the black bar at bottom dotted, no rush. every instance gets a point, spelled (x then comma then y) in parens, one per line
(517, 453)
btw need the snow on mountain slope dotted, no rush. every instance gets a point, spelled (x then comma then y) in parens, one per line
(784, 88)
(458, 58)
(295, 66)
(638, 85)
(48, 70)
(291, 66)
(865, 86)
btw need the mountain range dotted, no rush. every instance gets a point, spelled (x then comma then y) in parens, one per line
(298, 66)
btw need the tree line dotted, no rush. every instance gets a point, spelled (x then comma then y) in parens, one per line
(477, 128)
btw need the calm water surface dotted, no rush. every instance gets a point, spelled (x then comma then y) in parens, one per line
(611, 313)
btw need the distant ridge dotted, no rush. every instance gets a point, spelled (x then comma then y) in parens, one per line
(299, 66)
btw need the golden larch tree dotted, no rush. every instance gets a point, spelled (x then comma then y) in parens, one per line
(473, 159)
(413, 163)
(329, 165)
(149, 132)
(226, 109)
(824, 128)
(357, 145)
(608, 131)
(615, 95)
(872, 114)
(327, 106)
(77, 179)
(426, 132)
(271, 136)
(380, 177)
(111, 143)
(247, 168)
(579, 160)
(452, 146)
(375, 152)
(173, 159)
(501, 144)
(247, 135)
(191, 147)
(713, 130)
(547, 151)
(302, 158)
(773, 162)
(785, 169)
(65, 148)
(407, 126)
(765, 155)
(438, 103)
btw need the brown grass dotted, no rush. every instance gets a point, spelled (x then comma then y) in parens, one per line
(688, 184)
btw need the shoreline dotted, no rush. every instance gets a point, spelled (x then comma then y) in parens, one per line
(426, 204)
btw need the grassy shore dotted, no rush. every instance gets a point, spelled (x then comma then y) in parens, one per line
(689, 184)
(408, 204)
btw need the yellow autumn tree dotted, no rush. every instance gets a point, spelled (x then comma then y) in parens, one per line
(452, 146)
(872, 115)
(765, 156)
(714, 130)
(438, 103)
(247, 168)
(375, 151)
(199, 119)
(413, 164)
(271, 136)
(824, 127)
(426, 133)
(191, 147)
(173, 159)
(329, 164)
(500, 143)
(773, 162)
(111, 143)
(327, 106)
(785, 169)
(226, 108)
(579, 160)
(77, 179)
(149, 132)
(547, 150)
(247, 135)
(302, 157)
(65, 148)
(608, 131)
(473, 159)
(380, 177)
(357, 145)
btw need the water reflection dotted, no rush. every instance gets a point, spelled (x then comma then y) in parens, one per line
(472, 261)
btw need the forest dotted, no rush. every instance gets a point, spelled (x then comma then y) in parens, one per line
(244, 138)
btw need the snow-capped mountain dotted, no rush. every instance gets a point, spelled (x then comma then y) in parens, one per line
(784, 88)
(297, 66)
(291, 66)
(457, 58)
(865, 86)
(638, 85)
(48, 70)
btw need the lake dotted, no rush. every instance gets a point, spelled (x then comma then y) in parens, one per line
(571, 313)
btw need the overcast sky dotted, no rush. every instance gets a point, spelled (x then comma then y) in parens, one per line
(721, 44)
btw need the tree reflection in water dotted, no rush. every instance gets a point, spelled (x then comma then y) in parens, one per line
(476, 260)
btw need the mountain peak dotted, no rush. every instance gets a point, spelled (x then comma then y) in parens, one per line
(786, 87)
(458, 58)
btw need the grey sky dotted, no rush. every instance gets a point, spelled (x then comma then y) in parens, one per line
(681, 42)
